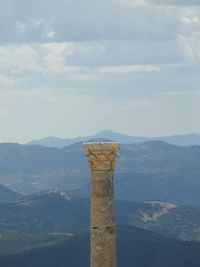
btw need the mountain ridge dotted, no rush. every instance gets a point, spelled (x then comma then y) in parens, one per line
(145, 171)
(179, 140)
(62, 211)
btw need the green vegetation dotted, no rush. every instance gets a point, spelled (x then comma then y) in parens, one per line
(61, 211)
(14, 242)
(135, 247)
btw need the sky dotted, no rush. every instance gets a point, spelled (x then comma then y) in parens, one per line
(73, 68)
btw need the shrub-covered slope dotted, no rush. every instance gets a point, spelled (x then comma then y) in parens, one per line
(135, 247)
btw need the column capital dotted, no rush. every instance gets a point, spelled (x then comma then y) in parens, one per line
(102, 155)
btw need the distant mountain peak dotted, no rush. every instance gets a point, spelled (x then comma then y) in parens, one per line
(106, 131)
(179, 140)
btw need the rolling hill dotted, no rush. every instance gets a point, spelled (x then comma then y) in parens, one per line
(146, 171)
(7, 195)
(61, 211)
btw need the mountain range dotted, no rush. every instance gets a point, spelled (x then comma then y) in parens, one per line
(146, 171)
(155, 184)
(180, 140)
(61, 211)
(51, 228)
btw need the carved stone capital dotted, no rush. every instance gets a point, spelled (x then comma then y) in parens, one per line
(102, 155)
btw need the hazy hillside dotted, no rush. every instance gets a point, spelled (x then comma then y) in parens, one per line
(145, 171)
(60, 211)
(180, 140)
(108, 134)
(27, 169)
(7, 195)
(135, 247)
(12, 242)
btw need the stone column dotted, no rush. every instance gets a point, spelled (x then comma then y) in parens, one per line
(102, 225)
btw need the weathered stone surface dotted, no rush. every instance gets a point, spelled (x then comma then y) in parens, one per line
(102, 162)
(102, 155)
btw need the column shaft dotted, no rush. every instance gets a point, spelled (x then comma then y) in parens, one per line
(102, 220)
(102, 224)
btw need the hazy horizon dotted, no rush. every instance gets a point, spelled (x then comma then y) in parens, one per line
(88, 135)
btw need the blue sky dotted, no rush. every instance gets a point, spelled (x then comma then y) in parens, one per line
(74, 67)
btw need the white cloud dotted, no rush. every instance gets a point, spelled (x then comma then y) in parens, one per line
(44, 21)
(51, 33)
(36, 22)
(136, 104)
(173, 93)
(191, 48)
(55, 60)
(129, 69)
(17, 58)
(21, 27)
(177, 2)
(81, 59)
(7, 81)
(190, 21)
(83, 77)
(134, 3)
(3, 111)
(44, 58)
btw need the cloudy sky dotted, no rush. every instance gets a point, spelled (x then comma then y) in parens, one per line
(76, 67)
